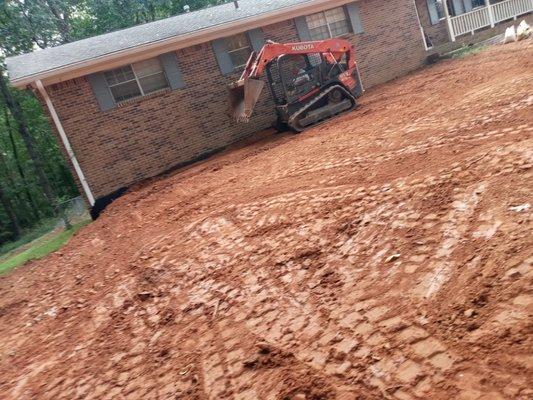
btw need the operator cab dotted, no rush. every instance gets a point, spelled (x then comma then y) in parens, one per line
(293, 76)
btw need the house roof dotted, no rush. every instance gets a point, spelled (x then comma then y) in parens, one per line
(29, 67)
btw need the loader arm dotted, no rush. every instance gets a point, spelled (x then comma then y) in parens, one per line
(332, 49)
(245, 92)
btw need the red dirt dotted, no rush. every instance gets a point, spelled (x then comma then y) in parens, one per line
(373, 257)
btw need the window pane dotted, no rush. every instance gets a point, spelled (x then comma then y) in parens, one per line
(335, 15)
(147, 67)
(238, 41)
(314, 59)
(152, 83)
(440, 9)
(125, 91)
(240, 57)
(119, 75)
(319, 33)
(292, 66)
(339, 28)
(316, 20)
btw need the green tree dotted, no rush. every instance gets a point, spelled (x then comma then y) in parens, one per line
(33, 173)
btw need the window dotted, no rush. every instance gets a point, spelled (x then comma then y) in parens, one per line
(477, 3)
(137, 79)
(239, 49)
(437, 10)
(328, 24)
(440, 9)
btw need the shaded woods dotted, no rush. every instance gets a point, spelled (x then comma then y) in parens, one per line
(34, 178)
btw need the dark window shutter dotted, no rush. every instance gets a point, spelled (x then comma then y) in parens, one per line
(224, 60)
(302, 28)
(352, 10)
(257, 39)
(458, 7)
(433, 14)
(101, 91)
(169, 61)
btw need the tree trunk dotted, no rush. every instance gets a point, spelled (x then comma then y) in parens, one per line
(61, 18)
(16, 112)
(6, 203)
(28, 213)
(29, 197)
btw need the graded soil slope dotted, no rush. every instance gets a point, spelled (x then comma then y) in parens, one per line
(377, 256)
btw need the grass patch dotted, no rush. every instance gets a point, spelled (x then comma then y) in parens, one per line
(41, 249)
(43, 228)
(466, 51)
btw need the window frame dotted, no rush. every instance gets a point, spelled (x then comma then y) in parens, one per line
(328, 23)
(136, 79)
(230, 52)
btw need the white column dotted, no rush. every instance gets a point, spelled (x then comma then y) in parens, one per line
(448, 20)
(491, 14)
(66, 142)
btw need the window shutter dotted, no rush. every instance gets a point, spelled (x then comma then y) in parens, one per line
(353, 13)
(101, 91)
(224, 60)
(468, 5)
(302, 28)
(257, 39)
(169, 61)
(433, 13)
(458, 7)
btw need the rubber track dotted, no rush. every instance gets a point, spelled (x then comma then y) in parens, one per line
(292, 119)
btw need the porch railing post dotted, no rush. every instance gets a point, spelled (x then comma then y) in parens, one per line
(491, 13)
(448, 20)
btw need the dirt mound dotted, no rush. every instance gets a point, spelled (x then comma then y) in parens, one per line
(384, 255)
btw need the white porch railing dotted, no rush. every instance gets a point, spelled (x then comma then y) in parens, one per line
(489, 15)
(511, 9)
(471, 21)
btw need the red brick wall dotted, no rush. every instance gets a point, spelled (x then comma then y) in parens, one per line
(149, 135)
(391, 44)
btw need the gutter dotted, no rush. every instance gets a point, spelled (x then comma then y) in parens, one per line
(66, 143)
(188, 40)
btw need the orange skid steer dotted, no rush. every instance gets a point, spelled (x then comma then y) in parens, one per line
(309, 81)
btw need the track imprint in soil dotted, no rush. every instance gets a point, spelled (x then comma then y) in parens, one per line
(379, 256)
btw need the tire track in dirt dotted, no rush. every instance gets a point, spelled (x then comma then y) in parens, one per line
(376, 257)
(369, 332)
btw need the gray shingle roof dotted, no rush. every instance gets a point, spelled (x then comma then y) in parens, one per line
(56, 57)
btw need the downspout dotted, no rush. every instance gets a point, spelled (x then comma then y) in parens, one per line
(66, 142)
(420, 26)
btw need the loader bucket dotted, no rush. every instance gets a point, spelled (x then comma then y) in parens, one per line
(243, 96)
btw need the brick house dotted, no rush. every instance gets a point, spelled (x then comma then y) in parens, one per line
(132, 104)
(448, 23)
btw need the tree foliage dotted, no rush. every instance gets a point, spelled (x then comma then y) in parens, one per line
(30, 158)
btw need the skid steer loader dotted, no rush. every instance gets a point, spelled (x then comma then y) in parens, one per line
(309, 81)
